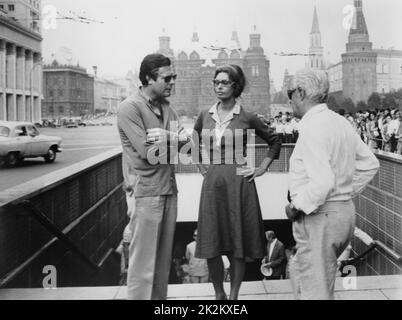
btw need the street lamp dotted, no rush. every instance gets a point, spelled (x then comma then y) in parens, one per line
(40, 63)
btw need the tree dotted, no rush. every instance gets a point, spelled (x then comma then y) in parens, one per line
(390, 100)
(280, 98)
(361, 106)
(374, 101)
(332, 103)
(348, 105)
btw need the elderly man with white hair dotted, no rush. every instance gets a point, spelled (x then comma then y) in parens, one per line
(329, 165)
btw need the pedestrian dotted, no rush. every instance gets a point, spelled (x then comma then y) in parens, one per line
(329, 165)
(147, 124)
(230, 221)
(399, 134)
(276, 257)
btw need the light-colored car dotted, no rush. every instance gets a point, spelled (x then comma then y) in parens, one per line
(19, 140)
(72, 124)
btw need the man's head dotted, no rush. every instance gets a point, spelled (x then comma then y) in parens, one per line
(157, 76)
(270, 235)
(309, 88)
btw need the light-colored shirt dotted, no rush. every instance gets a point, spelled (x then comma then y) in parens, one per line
(280, 128)
(393, 127)
(330, 162)
(220, 126)
(271, 249)
(288, 128)
(197, 267)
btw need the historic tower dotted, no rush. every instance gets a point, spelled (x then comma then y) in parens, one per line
(164, 46)
(256, 67)
(316, 51)
(359, 61)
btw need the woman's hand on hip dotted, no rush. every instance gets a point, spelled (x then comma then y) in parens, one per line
(252, 173)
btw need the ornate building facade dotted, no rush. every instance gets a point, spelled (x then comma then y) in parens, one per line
(107, 95)
(20, 67)
(68, 91)
(25, 12)
(196, 67)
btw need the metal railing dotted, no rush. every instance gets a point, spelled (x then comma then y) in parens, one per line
(61, 235)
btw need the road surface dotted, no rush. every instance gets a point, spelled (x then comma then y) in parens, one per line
(78, 144)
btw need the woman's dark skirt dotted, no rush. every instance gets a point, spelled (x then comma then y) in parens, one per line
(230, 220)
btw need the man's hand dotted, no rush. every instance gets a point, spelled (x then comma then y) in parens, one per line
(183, 135)
(157, 135)
(292, 213)
(161, 135)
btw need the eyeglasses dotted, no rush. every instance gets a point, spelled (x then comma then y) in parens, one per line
(225, 83)
(290, 93)
(169, 78)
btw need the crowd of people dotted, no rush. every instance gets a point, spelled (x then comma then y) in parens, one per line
(379, 129)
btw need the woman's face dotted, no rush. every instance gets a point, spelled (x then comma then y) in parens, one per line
(223, 86)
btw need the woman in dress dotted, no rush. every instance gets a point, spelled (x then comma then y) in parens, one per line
(230, 221)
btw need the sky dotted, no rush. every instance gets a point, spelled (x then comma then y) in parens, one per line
(131, 28)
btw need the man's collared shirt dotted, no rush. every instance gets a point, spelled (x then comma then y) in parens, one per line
(330, 162)
(271, 249)
(135, 115)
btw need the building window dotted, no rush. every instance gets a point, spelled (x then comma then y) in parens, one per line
(61, 109)
(255, 71)
(51, 93)
(61, 92)
(51, 109)
(1, 6)
(401, 69)
(11, 7)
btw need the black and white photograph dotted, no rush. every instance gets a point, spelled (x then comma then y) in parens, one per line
(200, 150)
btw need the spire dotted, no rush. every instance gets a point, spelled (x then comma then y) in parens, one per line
(195, 36)
(255, 38)
(235, 38)
(315, 28)
(164, 45)
(359, 39)
(359, 22)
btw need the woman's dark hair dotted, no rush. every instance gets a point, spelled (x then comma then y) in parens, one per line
(150, 65)
(236, 75)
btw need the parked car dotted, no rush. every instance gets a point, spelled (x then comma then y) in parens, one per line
(82, 123)
(71, 124)
(19, 140)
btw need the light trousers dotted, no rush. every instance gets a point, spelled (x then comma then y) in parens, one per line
(150, 254)
(321, 238)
